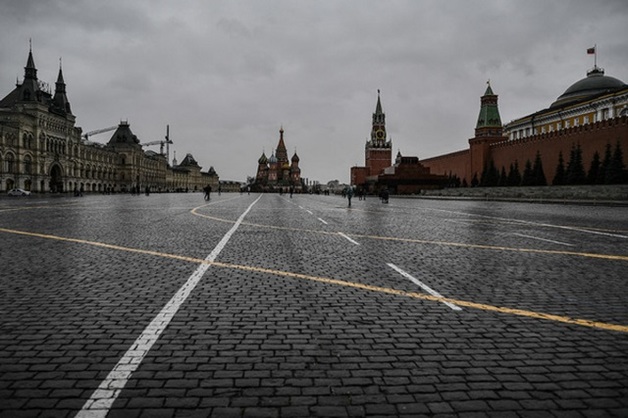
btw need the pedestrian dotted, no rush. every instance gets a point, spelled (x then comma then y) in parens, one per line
(384, 195)
(291, 191)
(349, 195)
(207, 189)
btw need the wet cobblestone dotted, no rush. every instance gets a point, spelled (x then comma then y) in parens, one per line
(279, 329)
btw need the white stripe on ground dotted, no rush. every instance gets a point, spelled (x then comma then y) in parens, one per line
(99, 404)
(349, 239)
(423, 286)
(543, 239)
(322, 220)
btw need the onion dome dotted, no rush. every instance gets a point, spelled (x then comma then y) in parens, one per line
(295, 158)
(263, 159)
(272, 159)
(594, 84)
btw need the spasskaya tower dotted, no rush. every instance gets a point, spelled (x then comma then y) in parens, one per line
(378, 150)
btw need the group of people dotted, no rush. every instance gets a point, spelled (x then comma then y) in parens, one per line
(348, 193)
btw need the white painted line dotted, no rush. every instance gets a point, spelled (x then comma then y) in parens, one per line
(350, 240)
(569, 228)
(99, 404)
(543, 239)
(323, 221)
(423, 286)
(309, 211)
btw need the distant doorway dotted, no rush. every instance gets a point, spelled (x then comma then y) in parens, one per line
(56, 180)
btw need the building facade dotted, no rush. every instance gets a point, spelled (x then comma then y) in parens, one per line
(277, 172)
(591, 116)
(42, 149)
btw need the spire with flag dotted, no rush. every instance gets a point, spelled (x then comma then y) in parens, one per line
(593, 51)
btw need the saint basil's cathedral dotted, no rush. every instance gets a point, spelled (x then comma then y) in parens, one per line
(277, 173)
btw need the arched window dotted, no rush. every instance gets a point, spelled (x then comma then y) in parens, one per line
(28, 164)
(10, 163)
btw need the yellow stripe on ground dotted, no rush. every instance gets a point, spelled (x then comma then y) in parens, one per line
(336, 282)
(103, 245)
(415, 295)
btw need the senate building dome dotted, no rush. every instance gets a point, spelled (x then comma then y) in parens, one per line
(595, 83)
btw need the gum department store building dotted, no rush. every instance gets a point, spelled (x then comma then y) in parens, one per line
(42, 150)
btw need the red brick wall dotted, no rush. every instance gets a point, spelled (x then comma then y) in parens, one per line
(591, 137)
(457, 163)
(358, 175)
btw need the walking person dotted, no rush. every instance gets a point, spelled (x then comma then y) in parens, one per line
(349, 195)
(208, 190)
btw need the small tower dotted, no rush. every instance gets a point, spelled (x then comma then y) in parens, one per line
(295, 171)
(488, 131)
(30, 86)
(489, 122)
(60, 99)
(262, 169)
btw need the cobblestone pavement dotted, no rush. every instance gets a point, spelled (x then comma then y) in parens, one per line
(270, 306)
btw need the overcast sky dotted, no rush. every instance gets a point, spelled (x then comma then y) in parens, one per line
(226, 75)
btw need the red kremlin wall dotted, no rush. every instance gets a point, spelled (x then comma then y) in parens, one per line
(591, 137)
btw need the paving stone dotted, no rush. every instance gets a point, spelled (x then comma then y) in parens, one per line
(254, 343)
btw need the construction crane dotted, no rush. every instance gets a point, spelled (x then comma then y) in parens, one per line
(161, 143)
(98, 131)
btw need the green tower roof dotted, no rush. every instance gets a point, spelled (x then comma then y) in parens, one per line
(489, 112)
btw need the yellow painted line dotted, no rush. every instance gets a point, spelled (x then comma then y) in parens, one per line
(103, 245)
(343, 283)
(431, 242)
(422, 296)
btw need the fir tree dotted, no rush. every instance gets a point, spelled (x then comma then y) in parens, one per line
(559, 177)
(575, 168)
(503, 178)
(594, 171)
(538, 175)
(514, 177)
(608, 155)
(615, 173)
(490, 175)
(528, 175)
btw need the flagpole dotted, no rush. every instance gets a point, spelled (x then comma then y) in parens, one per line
(595, 56)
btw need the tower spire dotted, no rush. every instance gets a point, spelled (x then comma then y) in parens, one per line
(281, 152)
(30, 71)
(489, 121)
(378, 131)
(60, 98)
